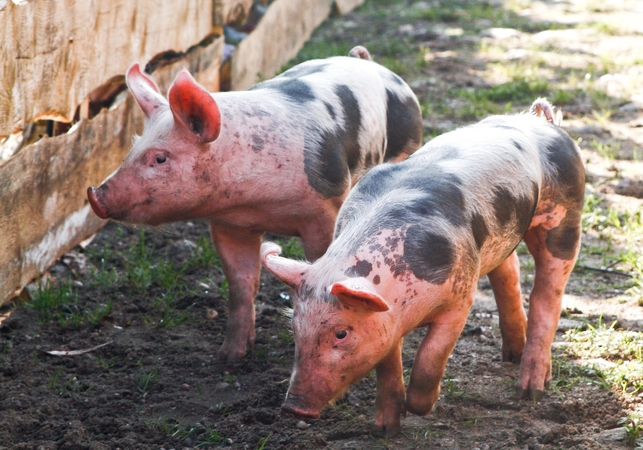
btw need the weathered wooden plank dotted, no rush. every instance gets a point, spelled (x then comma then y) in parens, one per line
(226, 12)
(43, 206)
(346, 6)
(53, 53)
(280, 34)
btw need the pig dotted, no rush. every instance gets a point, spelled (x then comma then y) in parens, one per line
(411, 241)
(280, 157)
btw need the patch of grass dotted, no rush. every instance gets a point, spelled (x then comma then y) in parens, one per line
(450, 386)
(286, 336)
(212, 437)
(634, 427)
(291, 248)
(165, 305)
(262, 442)
(609, 151)
(59, 303)
(205, 255)
(497, 99)
(139, 265)
(144, 381)
(50, 298)
(107, 364)
(613, 358)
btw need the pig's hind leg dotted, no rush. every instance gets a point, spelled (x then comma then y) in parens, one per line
(505, 282)
(545, 301)
(239, 252)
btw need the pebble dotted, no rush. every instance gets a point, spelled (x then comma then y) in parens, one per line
(211, 314)
(500, 33)
(223, 385)
(352, 400)
(616, 434)
(301, 425)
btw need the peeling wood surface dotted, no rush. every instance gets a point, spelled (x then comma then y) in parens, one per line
(280, 34)
(54, 53)
(43, 204)
(230, 11)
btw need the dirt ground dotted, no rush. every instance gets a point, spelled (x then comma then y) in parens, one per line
(154, 299)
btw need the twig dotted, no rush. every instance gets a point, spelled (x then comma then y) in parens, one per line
(610, 271)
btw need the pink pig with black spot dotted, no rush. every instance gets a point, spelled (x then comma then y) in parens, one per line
(411, 241)
(280, 157)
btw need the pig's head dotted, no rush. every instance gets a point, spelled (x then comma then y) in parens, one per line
(165, 176)
(342, 330)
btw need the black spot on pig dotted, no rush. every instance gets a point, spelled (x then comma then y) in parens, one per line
(479, 229)
(396, 79)
(330, 109)
(430, 256)
(352, 124)
(302, 70)
(562, 241)
(294, 88)
(503, 202)
(257, 143)
(519, 208)
(330, 155)
(361, 269)
(376, 280)
(562, 155)
(517, 144)
(403, 124)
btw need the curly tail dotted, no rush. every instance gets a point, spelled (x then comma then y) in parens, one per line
(360, 52)
(541, 107)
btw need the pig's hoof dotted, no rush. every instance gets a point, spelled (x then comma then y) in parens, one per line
(511, 356)
(229, 354)
(531, 394)
(386, 430)
(420, 405)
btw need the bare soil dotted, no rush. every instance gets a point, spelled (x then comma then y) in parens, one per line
(156, 382)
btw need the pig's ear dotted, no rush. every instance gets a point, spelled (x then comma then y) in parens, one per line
(194, 108)
(359, 293)
(287, 270)
(145, 91)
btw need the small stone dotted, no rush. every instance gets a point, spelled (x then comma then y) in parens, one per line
(211, 314)
(352, 400)
(500, 33)
(222, 386)
(237, 385)
(301, 425)
(616, 434)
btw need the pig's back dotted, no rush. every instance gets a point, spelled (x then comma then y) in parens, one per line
(477, 186)
(355, 113)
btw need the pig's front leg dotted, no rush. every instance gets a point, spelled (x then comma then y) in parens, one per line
(239, 252)
(545, 303)
(389, 403)
(431, 359)
(318, 234)
(505, 282)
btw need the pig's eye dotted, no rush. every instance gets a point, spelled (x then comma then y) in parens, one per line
(341, 334)
(161, 159)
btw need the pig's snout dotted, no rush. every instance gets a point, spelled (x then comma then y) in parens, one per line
(296, 406)
(96, 202)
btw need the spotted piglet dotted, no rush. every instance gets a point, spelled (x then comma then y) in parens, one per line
(410, 243)
(280, 157)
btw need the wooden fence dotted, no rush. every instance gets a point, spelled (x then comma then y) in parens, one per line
(62, 66)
